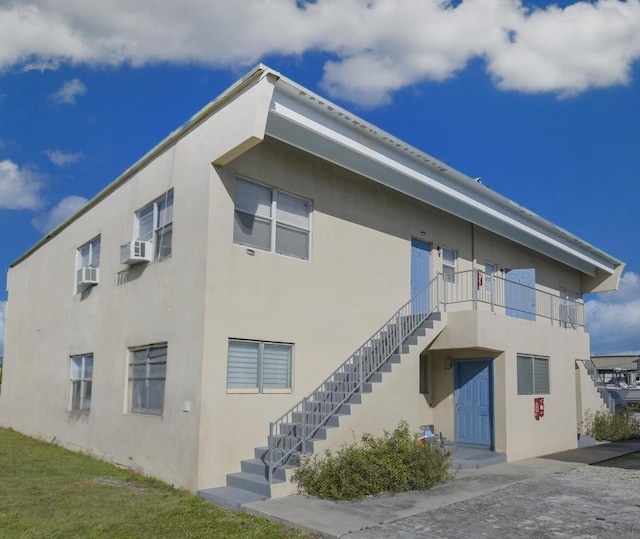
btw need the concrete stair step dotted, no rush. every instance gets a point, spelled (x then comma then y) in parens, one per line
(256, 484)
(477, 461)
(229, 497)
(259, 468)
(313, 417)
(292, 430)
(325, 397)
(340, 386)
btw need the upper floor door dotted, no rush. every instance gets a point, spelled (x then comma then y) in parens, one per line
(420, 252)
(520, 293)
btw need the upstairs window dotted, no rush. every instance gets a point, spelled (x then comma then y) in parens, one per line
(81, 381)
(271, 220)
(449, 264)
(155, 224)
(533, 375)
(87, 264)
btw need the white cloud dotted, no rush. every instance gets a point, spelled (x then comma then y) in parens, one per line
(613, 318)
(62, 159)
(19, 187)
(3, 318)
(69, 91)
(59, 213)
(377, 46)
(570, 50)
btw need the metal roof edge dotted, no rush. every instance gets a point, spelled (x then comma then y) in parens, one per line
(403, 152)
(424, 161)
(257, 72)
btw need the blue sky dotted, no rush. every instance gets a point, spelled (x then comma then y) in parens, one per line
(541, 101)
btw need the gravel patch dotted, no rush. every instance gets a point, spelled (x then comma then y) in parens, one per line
(607, 472)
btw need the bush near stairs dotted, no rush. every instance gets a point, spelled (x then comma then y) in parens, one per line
(612, 428)
(394, 462)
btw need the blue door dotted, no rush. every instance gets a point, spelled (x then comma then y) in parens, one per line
(420, 275)
(520, 294)
(474, 397)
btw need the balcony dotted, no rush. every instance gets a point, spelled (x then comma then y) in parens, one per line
(477, 290)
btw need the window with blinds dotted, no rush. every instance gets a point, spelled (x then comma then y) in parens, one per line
(258, 366)
(533, 375)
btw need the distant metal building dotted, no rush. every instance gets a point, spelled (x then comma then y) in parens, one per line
(607, 364)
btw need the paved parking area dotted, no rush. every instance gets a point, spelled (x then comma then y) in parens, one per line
(581, 503)
(555, 496)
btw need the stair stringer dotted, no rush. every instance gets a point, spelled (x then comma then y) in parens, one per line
(397, 397)
(593, 395)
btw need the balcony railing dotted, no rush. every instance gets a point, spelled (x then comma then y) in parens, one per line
(475, 289)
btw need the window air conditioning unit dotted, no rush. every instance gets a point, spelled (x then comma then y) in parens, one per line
(88, 276)
(136, 252)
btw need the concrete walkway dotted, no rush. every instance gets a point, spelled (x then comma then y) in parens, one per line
(503, 500)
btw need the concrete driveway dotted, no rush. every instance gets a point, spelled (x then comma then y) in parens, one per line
(533, 498)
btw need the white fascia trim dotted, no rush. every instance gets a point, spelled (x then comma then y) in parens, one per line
(283, 105)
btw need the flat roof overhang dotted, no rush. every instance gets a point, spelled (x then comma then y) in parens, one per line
(306, 121)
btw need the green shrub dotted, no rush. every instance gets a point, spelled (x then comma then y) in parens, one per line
(612, 428)
(394, 462)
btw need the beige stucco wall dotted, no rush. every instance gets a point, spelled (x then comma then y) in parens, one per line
(210, 290)
(479, 334)
(131, 306)
(357, 275)
(49, 322)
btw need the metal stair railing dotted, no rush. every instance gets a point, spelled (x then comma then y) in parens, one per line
(291, 432)
(592, 371)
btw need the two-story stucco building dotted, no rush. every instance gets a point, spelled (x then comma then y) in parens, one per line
(248, 283)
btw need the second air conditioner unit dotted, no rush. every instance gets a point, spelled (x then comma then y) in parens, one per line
(136, 252)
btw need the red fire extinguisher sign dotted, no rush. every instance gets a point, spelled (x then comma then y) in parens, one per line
(538, 407)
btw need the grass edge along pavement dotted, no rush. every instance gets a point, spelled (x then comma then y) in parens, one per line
(49, 491)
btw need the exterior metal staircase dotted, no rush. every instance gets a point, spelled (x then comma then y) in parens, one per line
(295, 432)
(608, 399)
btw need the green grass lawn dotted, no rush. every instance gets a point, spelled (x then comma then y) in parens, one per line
(47, 491)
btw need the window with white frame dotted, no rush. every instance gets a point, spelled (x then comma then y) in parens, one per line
(260, 367)
(81, 377)
(449, 264)
(271, 220)
(533, 375)
(154, 223)
(147, 376)
(87, 264)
